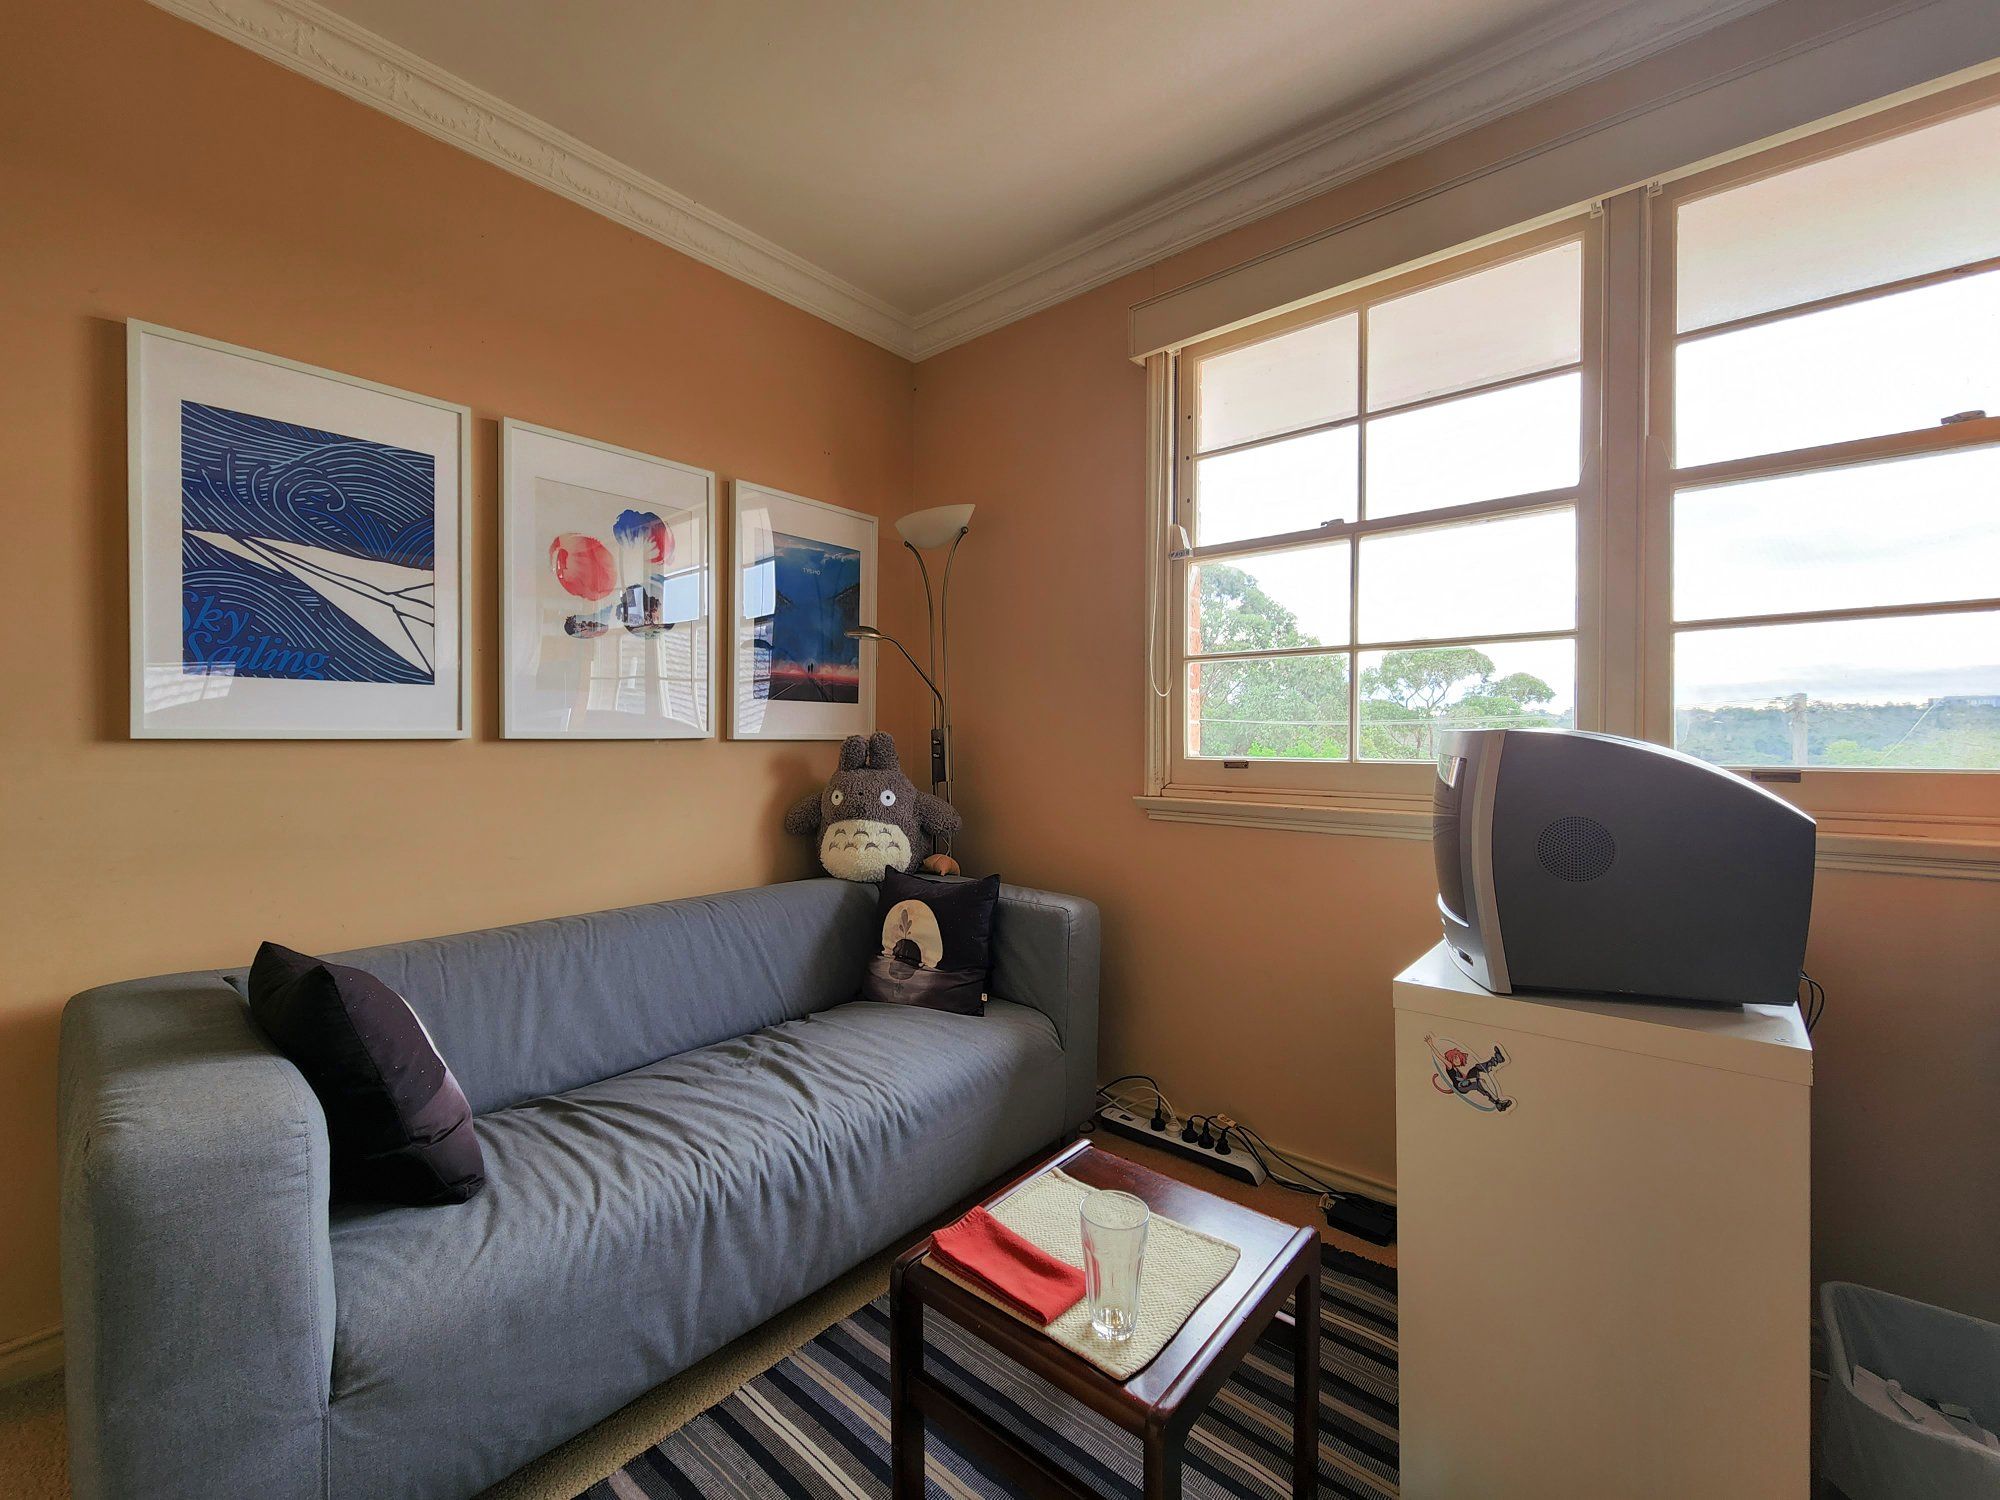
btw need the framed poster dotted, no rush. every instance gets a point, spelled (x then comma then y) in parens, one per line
(298, 549)
(804, 574)
(607, 591)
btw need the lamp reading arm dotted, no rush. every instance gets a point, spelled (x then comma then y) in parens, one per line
(870, 633)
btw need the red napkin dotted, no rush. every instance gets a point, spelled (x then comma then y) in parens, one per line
(1017, 1271)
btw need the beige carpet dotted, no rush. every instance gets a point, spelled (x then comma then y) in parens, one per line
(34, 1465)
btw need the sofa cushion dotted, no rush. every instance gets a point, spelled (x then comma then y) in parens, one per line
(547, 1006)
(937, 942)
(630, 1227)
(397, 1123)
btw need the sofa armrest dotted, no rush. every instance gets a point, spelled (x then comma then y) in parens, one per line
(1045, 951)
(197, 1274)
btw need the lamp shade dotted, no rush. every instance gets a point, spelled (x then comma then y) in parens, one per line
(936, 526)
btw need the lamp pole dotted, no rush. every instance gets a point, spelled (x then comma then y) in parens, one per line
(942, 526)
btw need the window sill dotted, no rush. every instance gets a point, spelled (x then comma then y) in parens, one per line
(1844, 843)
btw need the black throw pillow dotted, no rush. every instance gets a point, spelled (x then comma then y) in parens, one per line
(937, 943)
(397, 1122)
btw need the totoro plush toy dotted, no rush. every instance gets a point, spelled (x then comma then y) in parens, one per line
(870, 817)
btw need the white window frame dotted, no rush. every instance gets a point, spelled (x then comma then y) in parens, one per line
(1880, 794)
(1399, 781)
(1928, 822)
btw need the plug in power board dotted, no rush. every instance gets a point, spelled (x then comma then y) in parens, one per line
(1236, 1162)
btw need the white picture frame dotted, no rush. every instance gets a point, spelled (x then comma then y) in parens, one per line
(823, 540)
(259, 610)
(607, 591)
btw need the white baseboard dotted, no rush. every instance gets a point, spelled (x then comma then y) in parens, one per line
(30, 1355)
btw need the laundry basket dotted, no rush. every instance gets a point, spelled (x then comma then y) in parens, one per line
(1937, 1355)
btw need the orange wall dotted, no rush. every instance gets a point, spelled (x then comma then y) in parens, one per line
(1249, 969)
(149, 169)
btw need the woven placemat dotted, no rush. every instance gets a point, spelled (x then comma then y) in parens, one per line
(1182, 1267)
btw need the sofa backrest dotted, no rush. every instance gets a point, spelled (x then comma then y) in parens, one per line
(550, 1006)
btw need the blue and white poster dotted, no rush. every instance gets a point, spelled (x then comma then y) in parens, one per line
(297, 549)
(304, 554)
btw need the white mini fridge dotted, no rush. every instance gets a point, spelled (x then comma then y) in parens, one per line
(1602, 1245)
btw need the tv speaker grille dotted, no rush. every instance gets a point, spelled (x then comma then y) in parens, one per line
(1576, 848)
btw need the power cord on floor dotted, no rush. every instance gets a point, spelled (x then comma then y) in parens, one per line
(1162, 1107)
(1354, 1213)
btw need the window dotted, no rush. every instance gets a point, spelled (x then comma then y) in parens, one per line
(1826, 341)
(1384, 497)
(1745, 502)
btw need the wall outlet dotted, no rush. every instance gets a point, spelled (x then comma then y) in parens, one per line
(1237, 1163)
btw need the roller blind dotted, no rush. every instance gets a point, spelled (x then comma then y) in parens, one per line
(1798, 62)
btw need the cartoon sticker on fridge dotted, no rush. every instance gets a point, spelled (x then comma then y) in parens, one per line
(1454, 1072)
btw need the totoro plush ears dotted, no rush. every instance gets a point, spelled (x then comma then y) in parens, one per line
(870, 817)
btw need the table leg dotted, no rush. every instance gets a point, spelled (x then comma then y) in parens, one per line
(1305, 1386)
(1165, 1448)
(906, 1422)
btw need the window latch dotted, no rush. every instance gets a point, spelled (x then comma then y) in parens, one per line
(1976, 415)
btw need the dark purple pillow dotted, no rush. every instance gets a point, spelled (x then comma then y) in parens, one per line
(937, 943)
(397, 1122)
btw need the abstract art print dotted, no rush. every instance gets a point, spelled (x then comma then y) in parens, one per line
(805, 576)
(297, 549)
(607, 591)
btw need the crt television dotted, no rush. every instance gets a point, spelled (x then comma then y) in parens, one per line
(1586, 863)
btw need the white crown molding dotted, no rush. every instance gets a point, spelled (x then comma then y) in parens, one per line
(330, 49)
(1567, 50)
(1561, 53)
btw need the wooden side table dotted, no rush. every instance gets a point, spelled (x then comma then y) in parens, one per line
(1278, 1263)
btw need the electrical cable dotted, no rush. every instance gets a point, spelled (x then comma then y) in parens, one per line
(1275, 1177)
(1814, 1004)
(1146, 1078)
(1266, 1155)
(1254, 1139)
(1162, 1109)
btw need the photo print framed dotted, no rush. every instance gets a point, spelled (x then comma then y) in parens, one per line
(607, 591)
(804, 574)
(298, 548)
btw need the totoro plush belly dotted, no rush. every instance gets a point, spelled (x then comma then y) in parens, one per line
(862, 848)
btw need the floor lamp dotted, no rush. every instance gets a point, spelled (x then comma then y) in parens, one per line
(942, 526)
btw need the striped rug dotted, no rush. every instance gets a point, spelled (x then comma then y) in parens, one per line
(816, 1426)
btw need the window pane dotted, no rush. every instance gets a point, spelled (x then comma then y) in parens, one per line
(1519, 441)
(1902, 207)
(1407, 697)
(1915, 531)
(1890, 364)
(1269, 601)
(1512, 319)
(1297, 379)
(1918, 691)
(1292, 708)
(1289, 486)
(1502, 577)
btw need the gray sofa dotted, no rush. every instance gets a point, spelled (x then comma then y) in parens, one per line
(687, 1126)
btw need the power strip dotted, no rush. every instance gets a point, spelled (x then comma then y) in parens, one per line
(1237, 1163)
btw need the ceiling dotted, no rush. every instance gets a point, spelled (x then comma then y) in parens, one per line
(918, 157)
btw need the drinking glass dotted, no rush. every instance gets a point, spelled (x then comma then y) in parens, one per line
(1114, 1250)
